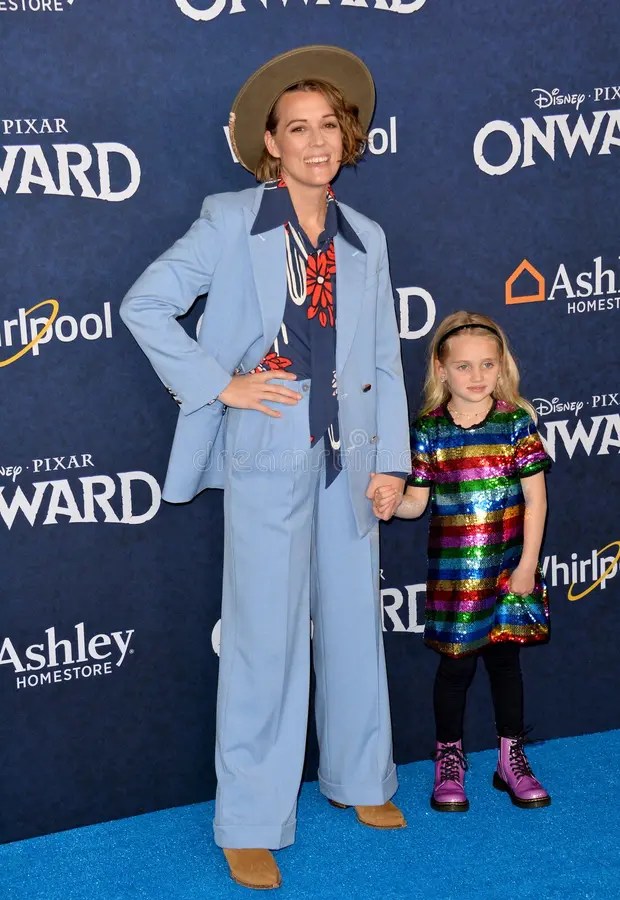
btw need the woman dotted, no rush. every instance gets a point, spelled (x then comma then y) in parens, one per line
(291, 398)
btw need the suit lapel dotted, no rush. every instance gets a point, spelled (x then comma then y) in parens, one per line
(350, 284)
(267, 252)
(268, 255)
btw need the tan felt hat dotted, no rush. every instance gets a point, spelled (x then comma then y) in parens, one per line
(253, 103)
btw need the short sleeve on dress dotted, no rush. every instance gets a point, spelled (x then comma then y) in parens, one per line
(530, 454)
(422, 456)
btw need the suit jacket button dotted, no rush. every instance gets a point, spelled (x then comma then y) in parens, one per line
(366, 388)
(373, 439)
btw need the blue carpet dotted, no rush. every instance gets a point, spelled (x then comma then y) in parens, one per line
(568, 850)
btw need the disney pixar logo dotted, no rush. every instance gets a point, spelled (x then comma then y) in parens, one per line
(555, 97)
(195, 9)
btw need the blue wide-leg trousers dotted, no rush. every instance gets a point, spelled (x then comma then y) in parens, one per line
(293, 559)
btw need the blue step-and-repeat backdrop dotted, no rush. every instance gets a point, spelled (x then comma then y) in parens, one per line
(493, 168)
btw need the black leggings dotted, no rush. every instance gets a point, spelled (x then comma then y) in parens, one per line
(452, 681)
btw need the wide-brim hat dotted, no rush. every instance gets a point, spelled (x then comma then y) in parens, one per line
(320, 62)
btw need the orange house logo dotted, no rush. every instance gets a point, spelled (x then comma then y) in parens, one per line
(521, 281)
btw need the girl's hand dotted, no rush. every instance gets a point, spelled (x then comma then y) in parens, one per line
(385, 499)
(389, 502)
(522, 581)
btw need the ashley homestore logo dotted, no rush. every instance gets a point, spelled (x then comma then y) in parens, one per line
(595, 289)
(210, 9)
(35, 6)
(74, 656)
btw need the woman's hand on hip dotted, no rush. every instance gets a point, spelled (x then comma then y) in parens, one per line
(251, 391)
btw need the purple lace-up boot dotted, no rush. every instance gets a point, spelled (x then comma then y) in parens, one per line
(514, 775)
(449, 791)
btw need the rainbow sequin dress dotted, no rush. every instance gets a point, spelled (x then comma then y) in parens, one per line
(476, 528)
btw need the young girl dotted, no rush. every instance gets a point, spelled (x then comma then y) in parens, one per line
(476, 450)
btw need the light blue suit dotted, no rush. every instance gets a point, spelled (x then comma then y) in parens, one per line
(292, 548)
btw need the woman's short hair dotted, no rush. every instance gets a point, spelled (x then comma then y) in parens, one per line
(354, 138)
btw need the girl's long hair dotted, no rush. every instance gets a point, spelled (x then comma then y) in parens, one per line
(437, 393)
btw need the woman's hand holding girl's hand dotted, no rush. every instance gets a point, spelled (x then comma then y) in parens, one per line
(522, 580)
(250, 392)
(384, 501)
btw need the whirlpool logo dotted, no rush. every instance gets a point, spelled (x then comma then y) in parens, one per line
(582, 573)
(27, 332)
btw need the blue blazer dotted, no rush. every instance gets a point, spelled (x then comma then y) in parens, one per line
(245, 278)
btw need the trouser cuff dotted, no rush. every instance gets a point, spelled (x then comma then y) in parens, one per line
(270, 837)
(361, 793)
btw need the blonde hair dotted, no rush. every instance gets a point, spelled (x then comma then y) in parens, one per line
(437, 393)
(354, 137)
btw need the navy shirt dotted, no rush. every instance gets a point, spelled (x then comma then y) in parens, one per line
(306, 342)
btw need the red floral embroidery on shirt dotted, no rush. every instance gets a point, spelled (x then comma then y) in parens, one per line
(319, 290)
(273, 362)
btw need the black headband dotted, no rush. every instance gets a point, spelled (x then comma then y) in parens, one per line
(458, 328)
